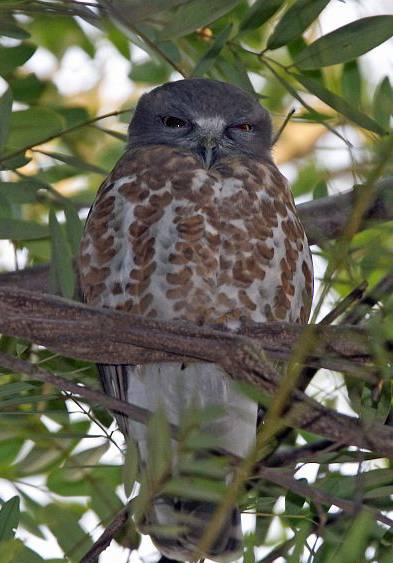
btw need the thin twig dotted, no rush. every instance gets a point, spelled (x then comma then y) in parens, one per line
(286, 480)
(283, 125)
(17, 365)
(343, 305)
(63, 132)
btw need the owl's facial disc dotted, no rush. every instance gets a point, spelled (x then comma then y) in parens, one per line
(209, 118)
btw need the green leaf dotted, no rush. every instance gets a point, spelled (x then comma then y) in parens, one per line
(351, 83)
(63, 521)
(27, 89)
(215, 467)
(293, 502)
(259, 13)
(355, 542)
(8, 28)
(9, 449)
(197, 13)
(339, 104)
(80, 465)
(32, 127)
(21, 192)
(383, 103)
(72, 116)
(209, 58)
(301, 538)
(12, 57)
(17, 229)
(234, 72)
(5, 116)
(118, 39)
(346, 43)
(295, 21)
(75, 161)
(61, 257)
(15, 551)
(74, 228)
(14, 162)
(10, 389)
(195, 489)
(130, 466)
(9, 518)
(150, 72)
(159, 445)
(320, 190)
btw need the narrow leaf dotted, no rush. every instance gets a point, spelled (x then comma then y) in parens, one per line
(295, 21)
(14, 388)
(8, 28)
(74, 228)
(339, 104)
(75, 162)
(9, 518)
(21, 192)
(355, 542)
(259, 13)
(130, 467)
(383, 103)
(351, 83)
(33, 126)
(17, 229)
(5, 116)
(80, 465)
(159, 445)
(12, 57)
(61, 257)
(208, 59)
(346, 43)
(195, 14)
(195, 488)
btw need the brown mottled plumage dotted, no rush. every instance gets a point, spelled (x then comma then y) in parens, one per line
(168, 238)
(181, 230)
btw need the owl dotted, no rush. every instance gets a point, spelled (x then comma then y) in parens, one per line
(195, 222)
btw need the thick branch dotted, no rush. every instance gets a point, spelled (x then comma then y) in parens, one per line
(323, 219)
(80, 331)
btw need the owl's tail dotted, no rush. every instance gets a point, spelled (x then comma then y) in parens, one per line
(193, 518)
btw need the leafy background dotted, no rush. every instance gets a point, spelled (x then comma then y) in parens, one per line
(71, 74)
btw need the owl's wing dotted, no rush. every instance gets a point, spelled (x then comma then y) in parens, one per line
(114, 381)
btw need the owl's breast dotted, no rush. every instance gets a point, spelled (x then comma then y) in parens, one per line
(205, 245)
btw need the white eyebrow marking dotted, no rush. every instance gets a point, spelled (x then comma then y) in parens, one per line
(211, 122)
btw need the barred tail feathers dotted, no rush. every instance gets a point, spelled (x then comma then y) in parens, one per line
(227, 545)
(175, 386)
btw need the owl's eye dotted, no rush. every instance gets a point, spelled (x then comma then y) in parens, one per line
(174, 122)
(242, 127)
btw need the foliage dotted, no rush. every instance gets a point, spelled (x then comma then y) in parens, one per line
(56, 148)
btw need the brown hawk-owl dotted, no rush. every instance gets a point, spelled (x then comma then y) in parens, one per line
(195, 222)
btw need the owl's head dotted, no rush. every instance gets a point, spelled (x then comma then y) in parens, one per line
(210, 118)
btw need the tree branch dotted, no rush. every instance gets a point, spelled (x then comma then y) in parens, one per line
(326, 218)
(284, 479)
(107, 536)
(79, 331)
(17, 365)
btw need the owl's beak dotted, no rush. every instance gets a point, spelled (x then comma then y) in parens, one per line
(208, 149)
